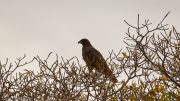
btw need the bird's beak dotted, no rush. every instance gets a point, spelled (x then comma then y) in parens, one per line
(79, 42)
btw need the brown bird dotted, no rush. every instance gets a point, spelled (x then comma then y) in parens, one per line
(94, 60)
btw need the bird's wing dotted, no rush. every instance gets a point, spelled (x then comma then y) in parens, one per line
(96, 60)
(94, 53)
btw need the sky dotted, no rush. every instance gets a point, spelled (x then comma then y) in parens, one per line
(37, 27)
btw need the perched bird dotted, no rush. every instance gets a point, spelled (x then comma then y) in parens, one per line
(94, 60)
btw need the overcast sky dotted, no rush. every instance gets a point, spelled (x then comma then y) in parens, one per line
(37, 27)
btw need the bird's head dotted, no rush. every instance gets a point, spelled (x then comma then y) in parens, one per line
(84, 42)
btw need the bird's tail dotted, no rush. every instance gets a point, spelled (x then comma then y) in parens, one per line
(110, 75)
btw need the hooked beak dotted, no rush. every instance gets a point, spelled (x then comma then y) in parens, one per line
(79, 42)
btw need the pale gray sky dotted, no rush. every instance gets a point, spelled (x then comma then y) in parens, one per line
(41, 26)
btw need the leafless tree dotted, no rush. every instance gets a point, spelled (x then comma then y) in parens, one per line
(148, 70)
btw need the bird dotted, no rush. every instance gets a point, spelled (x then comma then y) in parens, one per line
(94, 60)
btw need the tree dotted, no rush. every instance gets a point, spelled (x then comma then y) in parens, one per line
(148, 70)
